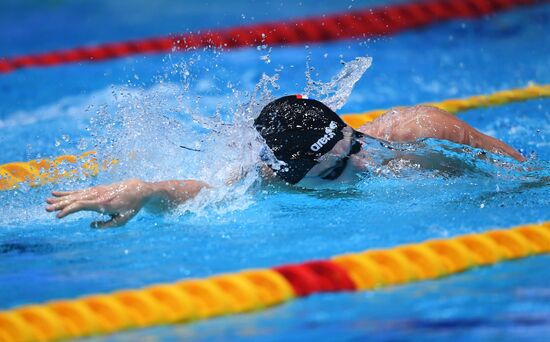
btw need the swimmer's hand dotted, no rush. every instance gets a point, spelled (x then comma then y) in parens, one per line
(123, 200)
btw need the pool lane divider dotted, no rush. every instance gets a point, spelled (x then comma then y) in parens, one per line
(364, 23)
(254, 290)
(499, 98)
(39, 172)
(45, 171)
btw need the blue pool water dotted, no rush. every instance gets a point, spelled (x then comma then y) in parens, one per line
(137, 109)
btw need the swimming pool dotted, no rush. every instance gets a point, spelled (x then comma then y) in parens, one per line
(120, 106)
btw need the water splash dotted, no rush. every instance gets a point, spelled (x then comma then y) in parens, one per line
(145, 129)
(191, 128)
(469, 175)
(335, 93)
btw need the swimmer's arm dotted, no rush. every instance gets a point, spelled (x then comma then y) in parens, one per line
(407, 124)
(123, 200)
(166, 195)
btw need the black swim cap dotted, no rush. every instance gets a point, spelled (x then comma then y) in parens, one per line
(298, 131)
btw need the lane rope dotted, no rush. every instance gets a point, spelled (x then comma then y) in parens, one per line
(253, 290)
(39, 172)
(365, 23)
(44, 171)
(499, 98)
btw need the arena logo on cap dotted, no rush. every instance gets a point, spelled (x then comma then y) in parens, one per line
(329, 134)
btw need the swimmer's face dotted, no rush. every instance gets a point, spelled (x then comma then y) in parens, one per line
(332, 164)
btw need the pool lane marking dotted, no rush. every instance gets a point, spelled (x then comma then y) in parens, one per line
(363, 23)
(253, 290)
(45, 171)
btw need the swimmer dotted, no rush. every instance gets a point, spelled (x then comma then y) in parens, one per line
(307, 144)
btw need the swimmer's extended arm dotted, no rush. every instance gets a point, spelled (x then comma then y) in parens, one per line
(123, 200)
(407, 124)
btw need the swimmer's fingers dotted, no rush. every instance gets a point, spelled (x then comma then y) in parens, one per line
(116, 220)
(65, 193)
(61, 196)
(80, 206)
(56, 200)
(70, 196)
(56, 204)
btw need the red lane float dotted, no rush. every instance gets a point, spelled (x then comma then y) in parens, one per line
(316, 276)
(361, 23)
